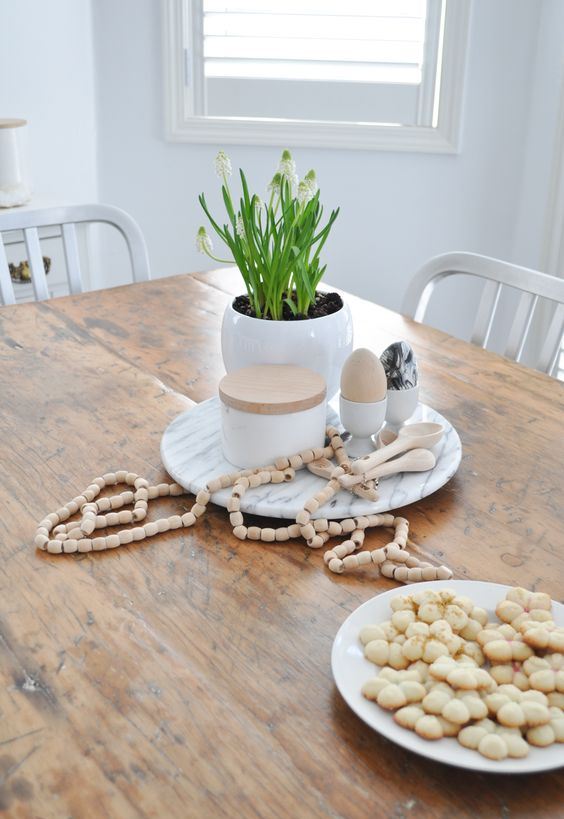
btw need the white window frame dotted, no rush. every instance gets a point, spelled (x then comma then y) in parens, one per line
(441, 137)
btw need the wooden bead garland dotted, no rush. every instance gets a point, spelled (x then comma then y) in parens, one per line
(393, 560)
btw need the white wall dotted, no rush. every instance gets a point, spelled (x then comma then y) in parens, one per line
(47, 77)
(397, 210)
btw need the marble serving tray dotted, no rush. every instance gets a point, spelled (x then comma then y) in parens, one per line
(191, 453)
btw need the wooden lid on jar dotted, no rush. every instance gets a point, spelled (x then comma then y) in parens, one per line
(272, 389)
(12, 123)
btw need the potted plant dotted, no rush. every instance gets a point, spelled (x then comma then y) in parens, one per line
(283, 318)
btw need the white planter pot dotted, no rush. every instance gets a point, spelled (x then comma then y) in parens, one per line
(322, 344)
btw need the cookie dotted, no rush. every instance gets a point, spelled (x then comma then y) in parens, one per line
(461, 675)
(492, 741)
(503, 644)
(514, 708)
(550, 732)
(546, 674)
(390, 694)
(546, 636)
(428, 642)
(511, 673)
(458, 707)
(521, 605)
(381, 652)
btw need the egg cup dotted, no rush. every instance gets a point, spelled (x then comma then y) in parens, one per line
(362, 420)
(401, 406)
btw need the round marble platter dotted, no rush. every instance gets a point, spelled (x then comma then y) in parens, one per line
(192, 455)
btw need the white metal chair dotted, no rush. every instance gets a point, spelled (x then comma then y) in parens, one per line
(496, 275)
(29, 220)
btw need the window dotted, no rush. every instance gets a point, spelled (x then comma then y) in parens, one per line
(330, 73)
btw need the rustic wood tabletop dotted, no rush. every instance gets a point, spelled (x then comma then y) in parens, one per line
(189, 676)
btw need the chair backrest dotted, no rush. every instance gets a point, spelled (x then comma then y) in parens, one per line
(29, 220)
(496, 274)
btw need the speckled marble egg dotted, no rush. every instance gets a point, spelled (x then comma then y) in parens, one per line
(400, 366)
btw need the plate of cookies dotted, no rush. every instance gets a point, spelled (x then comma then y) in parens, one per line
(463, 672)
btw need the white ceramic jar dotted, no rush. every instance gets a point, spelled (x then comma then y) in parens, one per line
(15, 187)
(270, 411)
(320, 344)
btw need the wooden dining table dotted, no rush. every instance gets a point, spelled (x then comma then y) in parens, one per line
(189, 675)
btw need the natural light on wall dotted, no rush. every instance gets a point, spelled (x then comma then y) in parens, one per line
(328, 72)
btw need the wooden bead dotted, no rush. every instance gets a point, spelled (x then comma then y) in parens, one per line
(429, 573)
(348, 525)
(294, 530)
(296, 462)
(334, 528)
(99, 482)
(72, 507)
(121, 475)
(276, 476)
(307, 456)
(142, 495)
(444, 573)
(214, 486)
(153, 492)
(125, 536)
(125, 516)
(253, 533)
(151, 529)
(198, 510)
(141, 483)
(378, 556)
(41, 541)
(98, 544)
(364, 558)
(138, 533)
(70, 546)
(88, 524)
(203, 497)
(130, 478)
(240, 532)
(344, 548)
(164, 489)
(311, 505)
(225, 481)
(175, 490)
(254, 481)
(188, 519)
(282, 533)
(350, 562)
(303, 517)
(233, 504)
(318, 452)
(308, 531)
(84, 544)
(336, 565)
(281, 463)
(53, 520)
(414, 575)
(268, 535)
(112, 519)
(60, 528)
(138, 514)
(321, 524)
(388, 569)
(236, 519)
(104, 504)
(244, 482)
(163, 525)
(112, 541)
(401, 574)
(289, 474)
(55, 547)
(174, 521)
(100, 521)
(316, 542)
(362, 522)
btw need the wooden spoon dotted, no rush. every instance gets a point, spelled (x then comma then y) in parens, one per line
(418, 460)
(412, 436)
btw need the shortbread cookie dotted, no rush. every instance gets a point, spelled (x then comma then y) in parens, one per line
(545, 636)
(521, 605)
(556, 699)
(550, 732)
(425, 725)
(503, 644)
(511, 673)
(393, 695)
(546, 673)
(458, 707)
(428, 642)
(461, 676)
(381, 652)
(381, 631)
(514, 708)
(492, 741)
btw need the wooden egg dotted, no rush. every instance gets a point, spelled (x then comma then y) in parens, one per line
(363, 379)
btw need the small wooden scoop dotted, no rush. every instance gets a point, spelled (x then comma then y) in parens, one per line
(412, 436)
(364, 489)
(418, 460)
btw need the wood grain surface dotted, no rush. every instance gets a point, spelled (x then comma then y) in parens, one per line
(189, 676)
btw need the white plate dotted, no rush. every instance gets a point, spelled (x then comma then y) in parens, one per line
(351, 670)
(191, 453)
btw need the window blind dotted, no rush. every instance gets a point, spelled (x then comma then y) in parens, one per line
(357, 41)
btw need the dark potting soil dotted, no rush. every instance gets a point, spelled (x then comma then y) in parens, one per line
(324, 305)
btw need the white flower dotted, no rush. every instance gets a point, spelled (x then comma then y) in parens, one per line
(275, 183)
(304, 194)
(240, 227)
(258, 203)
(222, 165)
(287, 168)
(203, 241)
(311, 181)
